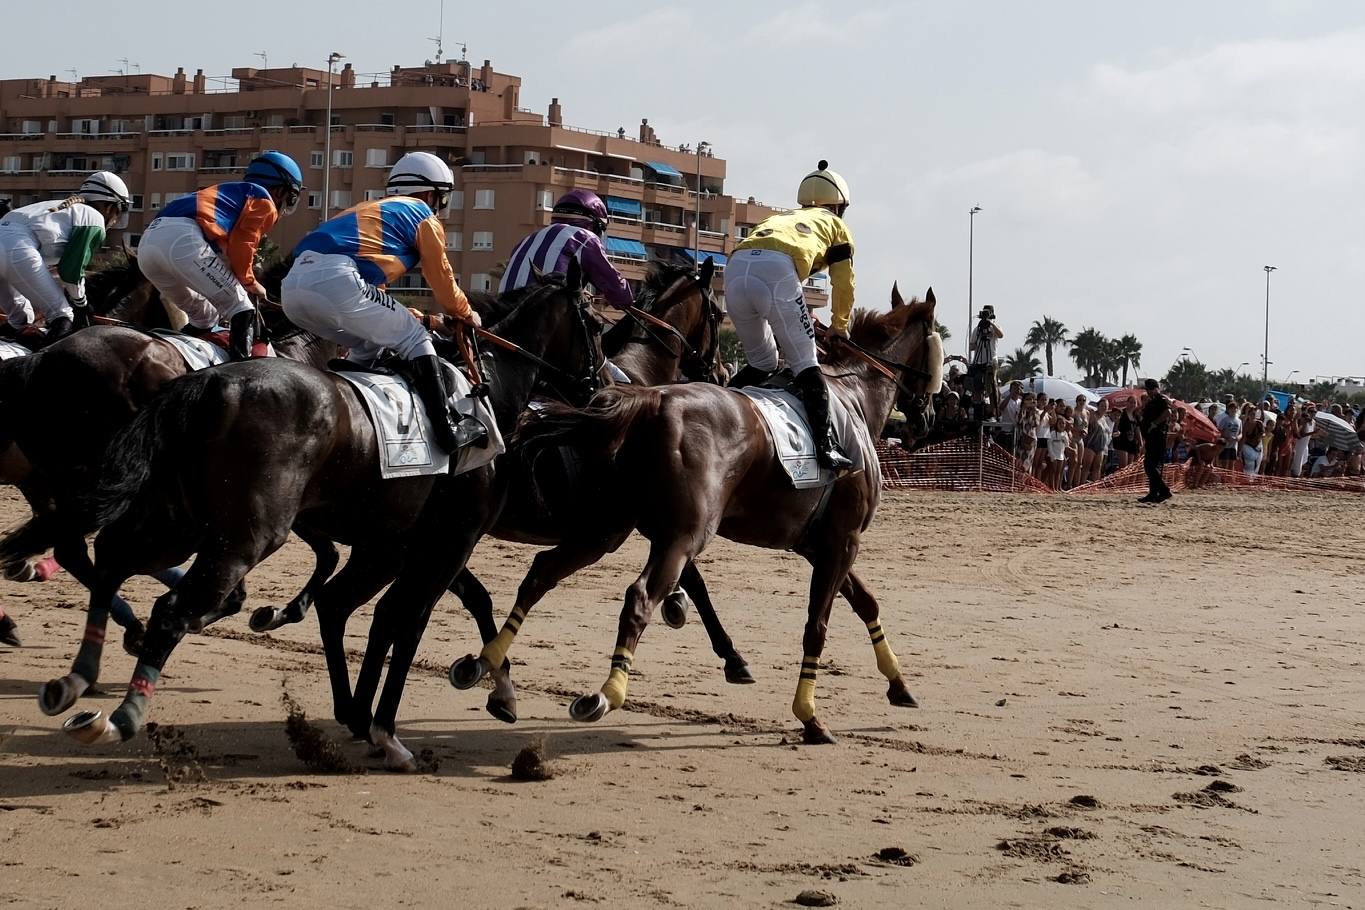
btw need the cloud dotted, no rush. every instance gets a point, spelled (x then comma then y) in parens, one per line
(817, 25)
(645, 36)
(1024, 185)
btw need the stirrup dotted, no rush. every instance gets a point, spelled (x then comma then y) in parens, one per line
(470, 432)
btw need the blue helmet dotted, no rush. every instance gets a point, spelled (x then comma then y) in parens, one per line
(276, 170)
(272, 169)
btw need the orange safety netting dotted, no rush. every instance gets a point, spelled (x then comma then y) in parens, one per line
(961, 465)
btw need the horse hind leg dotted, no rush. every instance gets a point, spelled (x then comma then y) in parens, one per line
(830, 562)
(502, 701)
(865, 605)
(692, 585)
(659, 578)
(326, 558)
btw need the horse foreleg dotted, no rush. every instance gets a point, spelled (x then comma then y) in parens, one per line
(502, 701)
(57, 695)
(659, 578)
(365, 574)
(830, 562)
(548, 569)
(736, 667)
(865, 605)
(326, 557)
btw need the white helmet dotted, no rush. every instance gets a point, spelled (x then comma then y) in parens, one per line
(421, 172)
(102, 186)
(822, 187)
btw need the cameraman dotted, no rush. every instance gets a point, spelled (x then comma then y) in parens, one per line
(981, 359)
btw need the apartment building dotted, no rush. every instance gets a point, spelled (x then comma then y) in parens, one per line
(170, 135)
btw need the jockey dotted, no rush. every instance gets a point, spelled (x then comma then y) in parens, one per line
(201, 252)
(335, 288)
(578, 222)
(61, 236)
(764, 298)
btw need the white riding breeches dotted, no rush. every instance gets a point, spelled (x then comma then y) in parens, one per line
(326, 295)
(764, 299)
(26, 283)
(189, 273)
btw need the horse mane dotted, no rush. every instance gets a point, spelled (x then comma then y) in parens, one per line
(493, 308)
(508, 310)
(874, 331)
(658, 280)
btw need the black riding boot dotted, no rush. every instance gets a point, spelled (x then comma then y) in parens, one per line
(431, 388)
(815, 396)
(241, 335)
(749, 376)
(59, 328)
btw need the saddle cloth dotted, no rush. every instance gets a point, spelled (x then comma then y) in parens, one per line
(10, 350)
(198, 353)
(785, 416)
(404, 430)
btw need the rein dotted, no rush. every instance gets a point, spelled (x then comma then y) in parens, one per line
(691, 359)
(893, 370)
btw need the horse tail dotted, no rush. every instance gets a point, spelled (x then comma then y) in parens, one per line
(600, 428)
(145, 446)
(14, 377)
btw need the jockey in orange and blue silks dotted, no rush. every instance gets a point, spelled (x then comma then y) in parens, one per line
(336, 286)
(201, 252)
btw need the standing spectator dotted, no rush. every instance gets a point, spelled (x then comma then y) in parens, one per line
(1025, 430)
(1009, 412)
(981, 358)
(1253, 442)
(1040, 433)
(1126, 436)
(1058, 438)
(1230, 430)
(1097, 439)
(1156, 413)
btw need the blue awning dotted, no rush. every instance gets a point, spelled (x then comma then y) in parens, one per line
(664, 170)
(631, 249)
(626, 208)
(718, 257)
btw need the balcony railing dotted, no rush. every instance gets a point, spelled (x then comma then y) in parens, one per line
(302, 128)
(163, 133)
(231, 131)
(101, 137)
(19, 172)
(491, 168)
(22, 137)
(435, 128)
(220, 169)
(375, 127)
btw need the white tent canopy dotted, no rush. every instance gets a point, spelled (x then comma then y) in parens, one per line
(1052, 387)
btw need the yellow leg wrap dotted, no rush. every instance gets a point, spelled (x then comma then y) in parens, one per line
(495, 652)
(615, 687)
(803, 706)
(886, 658)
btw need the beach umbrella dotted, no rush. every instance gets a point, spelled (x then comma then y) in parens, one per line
(1052, 387)
(1198, 427)
(1340, 434)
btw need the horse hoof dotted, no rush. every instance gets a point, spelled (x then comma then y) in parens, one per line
(675, 609)
(587, 709)
(899, 695)
(504, 709)
(20, 571)
(9, 633)
(132, 639)
(92, 728)
(265, 619)
(58, 695)
(466, 672)
(814, 733)
(737, 672)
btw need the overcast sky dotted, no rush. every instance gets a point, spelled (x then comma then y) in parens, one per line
(1137, 164)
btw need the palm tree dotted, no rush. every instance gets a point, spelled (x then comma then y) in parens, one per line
(942, 330)
(1130, 349)
(1088, 350)
(1020, 365)
(1189, 380)
(1047, 333)
(1111, 362)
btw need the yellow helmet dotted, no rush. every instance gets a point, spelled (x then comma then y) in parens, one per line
(822, 187)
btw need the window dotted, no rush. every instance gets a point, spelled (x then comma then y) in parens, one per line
(455, 241)
(33, 126)
(133, 240)
(234, 121)
(156, 202)
(547, 200)
(483, 240)
(136, 204)
(118, 126)
(315, 159)
(531, 158)
(341, 199)
(182, 162)
(372, 195)
(377, 158)
(480, 281)
(315, 200)
(156, 161)
(12, 163)
(342, 158)
(742, 231)
(85, 126)
(483, 199)
(386, 119)
(456, 201)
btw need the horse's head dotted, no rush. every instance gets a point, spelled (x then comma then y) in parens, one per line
(109, 287)
(555, 314)
(685, 300)
(906, 347)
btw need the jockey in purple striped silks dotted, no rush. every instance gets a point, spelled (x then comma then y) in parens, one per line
(579, 221)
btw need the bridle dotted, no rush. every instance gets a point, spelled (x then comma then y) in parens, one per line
(694, 364)
(893, 370)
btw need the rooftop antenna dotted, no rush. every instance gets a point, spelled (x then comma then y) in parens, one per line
(265, 59)
(75, 76)
(126, 65)
(440, 33)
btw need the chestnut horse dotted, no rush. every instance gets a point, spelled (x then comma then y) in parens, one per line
(694, 461)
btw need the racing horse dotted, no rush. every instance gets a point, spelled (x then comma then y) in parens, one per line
(228, 460)
(695, 461)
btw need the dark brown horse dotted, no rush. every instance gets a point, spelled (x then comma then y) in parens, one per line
(228, 460)
(694, 461)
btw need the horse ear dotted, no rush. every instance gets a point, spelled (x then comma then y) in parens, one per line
(929, 297)
(896, 299)
(537, 275)
(707, 272)
(573, 278)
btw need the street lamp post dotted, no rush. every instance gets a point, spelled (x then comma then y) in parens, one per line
(1190, 351)
(1265, 354)
(971, 255)
(332, 59)
(696, 235)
